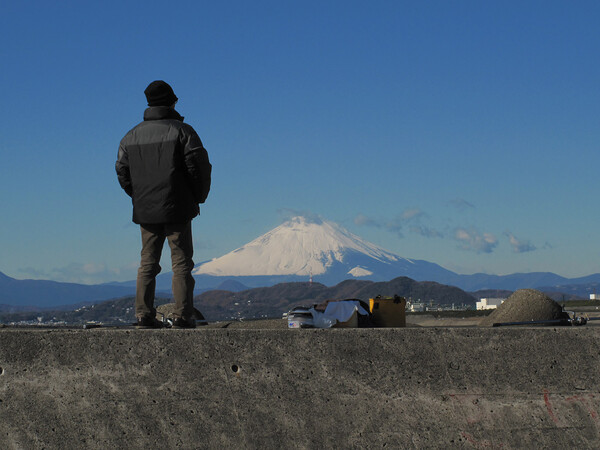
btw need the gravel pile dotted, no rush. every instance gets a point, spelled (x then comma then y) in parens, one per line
(525, 305)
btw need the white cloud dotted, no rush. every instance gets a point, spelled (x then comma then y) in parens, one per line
(519, 245)
(289, 213)
(474, 240)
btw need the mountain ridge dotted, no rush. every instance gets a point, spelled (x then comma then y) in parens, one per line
(47, 293)
(333, 256)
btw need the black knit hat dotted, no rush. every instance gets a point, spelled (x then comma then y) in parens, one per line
(159, 93)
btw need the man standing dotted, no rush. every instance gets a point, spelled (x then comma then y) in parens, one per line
(164, 168)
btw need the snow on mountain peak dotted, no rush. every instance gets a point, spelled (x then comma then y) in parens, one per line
(359, 272)
(299, 246)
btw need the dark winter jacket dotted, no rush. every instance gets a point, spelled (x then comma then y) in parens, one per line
(164, 168)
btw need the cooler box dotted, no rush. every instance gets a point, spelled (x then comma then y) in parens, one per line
(388, 311)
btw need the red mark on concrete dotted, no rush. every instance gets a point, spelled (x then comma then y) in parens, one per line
(584, 401)
(469, 438)
(549, 407)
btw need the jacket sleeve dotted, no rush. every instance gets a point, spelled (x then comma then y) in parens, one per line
(122, 167)
(197, 164)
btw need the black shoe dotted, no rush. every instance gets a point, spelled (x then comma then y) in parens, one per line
(180, 322)
(149, 322)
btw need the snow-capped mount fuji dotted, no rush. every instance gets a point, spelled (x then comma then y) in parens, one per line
(302, 247)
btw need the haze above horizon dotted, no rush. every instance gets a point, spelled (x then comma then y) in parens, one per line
(460, 133)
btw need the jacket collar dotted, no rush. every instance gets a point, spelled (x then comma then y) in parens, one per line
(161, 113)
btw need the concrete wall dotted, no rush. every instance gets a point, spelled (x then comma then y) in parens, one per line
(346, 388)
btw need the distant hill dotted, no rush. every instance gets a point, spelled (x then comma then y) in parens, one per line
(231, 285)
(275, 300)
(549, 291)
(533, 280)
(491, 293)
(45, 294)
(582, 291)
(16, 308)
(259, 302)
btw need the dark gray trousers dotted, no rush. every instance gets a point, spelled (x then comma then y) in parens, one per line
(179, 237)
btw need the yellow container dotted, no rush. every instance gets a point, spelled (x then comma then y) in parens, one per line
(388, 311)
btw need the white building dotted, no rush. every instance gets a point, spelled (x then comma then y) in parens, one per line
(415, 307)
(489, 303)
(594, 296)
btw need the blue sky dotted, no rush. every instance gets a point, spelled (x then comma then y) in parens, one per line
(464, 133)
